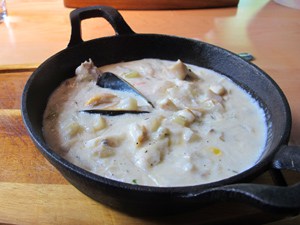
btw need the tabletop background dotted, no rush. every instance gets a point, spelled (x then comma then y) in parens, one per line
(31, 190)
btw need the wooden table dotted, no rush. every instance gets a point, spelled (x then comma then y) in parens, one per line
(31, 190)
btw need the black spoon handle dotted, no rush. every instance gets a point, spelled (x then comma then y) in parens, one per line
(112, 112)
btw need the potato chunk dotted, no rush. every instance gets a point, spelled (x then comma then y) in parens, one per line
(217, 89)
(162, 133)
(167, 104)
(147, 158)
(155, 123)
(139, 134)
(129, 104)
(184, 117)
(179, 70)
(99, 124)
(151, 155)
(73, 129)
(189, 135)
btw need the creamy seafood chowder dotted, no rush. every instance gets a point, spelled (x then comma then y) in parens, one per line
(186, 125)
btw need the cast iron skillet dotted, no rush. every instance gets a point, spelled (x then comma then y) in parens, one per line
(126, 45)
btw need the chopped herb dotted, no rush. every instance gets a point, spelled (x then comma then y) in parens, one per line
(134, 181)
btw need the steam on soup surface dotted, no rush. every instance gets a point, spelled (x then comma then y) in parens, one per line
(202, 128)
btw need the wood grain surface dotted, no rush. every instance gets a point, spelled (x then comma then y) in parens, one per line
(153, 4)
(33, 192)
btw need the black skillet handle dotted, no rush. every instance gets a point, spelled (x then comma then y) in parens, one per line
(110, 14)
(276, 199)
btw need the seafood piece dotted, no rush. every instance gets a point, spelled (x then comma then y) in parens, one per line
(99, 124)
(101, 99)
(181, 71)
(87, 71)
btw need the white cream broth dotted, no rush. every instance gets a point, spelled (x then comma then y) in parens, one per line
(203, 127)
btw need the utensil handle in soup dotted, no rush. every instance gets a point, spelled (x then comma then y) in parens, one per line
(110, 14)
(276, 199)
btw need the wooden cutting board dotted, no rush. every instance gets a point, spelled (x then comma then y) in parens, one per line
(33, 192)
(153, 4)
